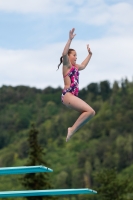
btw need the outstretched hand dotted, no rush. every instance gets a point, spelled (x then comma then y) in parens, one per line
(88, 48)
(71, 34)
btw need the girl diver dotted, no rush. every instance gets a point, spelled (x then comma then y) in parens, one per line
(69, 97)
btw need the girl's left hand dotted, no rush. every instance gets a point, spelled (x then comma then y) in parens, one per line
(88, 48)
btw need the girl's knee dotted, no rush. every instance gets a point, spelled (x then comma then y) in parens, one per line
(91, 112)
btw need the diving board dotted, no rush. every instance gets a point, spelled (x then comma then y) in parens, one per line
(29, 193)
(24, 169)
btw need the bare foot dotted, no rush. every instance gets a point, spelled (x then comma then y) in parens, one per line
(69, 134)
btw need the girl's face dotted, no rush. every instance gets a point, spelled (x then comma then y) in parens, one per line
(73, 57)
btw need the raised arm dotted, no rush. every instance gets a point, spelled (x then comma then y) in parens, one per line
(67, 46)
(86, 61)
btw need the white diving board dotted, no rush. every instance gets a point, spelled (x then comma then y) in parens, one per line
(46, 192)
(24, 169)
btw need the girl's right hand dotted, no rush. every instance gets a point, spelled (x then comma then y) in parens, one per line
(71, 34)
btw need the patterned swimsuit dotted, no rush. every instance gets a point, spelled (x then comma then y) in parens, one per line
(74, 86)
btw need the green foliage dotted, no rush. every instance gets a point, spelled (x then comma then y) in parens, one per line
(110, 186)
(36, 181)
(105, 142)
(105, 90)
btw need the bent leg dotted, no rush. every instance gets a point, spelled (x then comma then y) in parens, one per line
(79, 105)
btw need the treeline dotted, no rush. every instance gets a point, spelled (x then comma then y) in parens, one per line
(106, 142)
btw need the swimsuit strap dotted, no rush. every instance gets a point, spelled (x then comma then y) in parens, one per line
(71, 70)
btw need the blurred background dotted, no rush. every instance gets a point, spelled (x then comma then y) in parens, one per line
(32, 38)
(33, 35)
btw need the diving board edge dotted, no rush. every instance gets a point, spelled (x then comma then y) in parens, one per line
(24, 169)
(46, 192)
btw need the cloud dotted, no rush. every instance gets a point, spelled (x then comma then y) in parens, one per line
(112, 60)
(29, 67)
(116, 17)
(96, 12)
(112, 53)
(34, 6)
(103, 14)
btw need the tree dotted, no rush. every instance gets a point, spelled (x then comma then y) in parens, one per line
(93, 88)
(105, 89)
(36, 181)
(110, 186)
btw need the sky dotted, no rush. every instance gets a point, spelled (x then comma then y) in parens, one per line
(33, 34)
